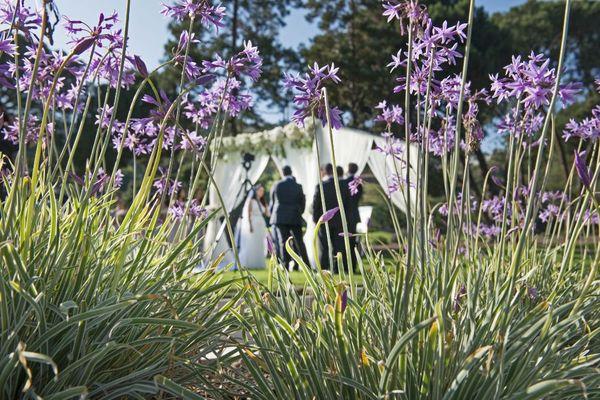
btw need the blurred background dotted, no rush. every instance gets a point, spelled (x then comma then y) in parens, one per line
(354, 35)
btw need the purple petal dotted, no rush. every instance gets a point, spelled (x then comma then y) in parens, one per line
(344, 300)
(329, 214)
(582, 169)
(140, 65)
(83, 45)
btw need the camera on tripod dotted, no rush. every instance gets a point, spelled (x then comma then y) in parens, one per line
(247, 161)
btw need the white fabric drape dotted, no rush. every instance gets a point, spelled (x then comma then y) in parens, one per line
(384, 168)
(229, 176)
(351, 146)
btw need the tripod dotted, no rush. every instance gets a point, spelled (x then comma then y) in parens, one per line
(234, 215)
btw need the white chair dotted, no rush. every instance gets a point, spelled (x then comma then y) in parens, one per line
(365, 216)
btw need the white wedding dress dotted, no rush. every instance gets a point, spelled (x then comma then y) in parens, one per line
(252, 245)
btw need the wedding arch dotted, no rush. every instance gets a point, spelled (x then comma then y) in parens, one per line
(297, 147)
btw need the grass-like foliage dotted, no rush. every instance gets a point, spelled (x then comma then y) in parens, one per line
(494, 297)
(472, 340)
(93, 307)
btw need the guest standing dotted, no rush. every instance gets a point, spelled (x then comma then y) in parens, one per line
(287, 205)
(335, 224)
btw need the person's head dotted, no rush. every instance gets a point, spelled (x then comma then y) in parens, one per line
(287, 170)
(352, 168)
(259, 191)
(340, 170)
(328, 169)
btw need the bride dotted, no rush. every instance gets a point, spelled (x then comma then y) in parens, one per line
(253, 230)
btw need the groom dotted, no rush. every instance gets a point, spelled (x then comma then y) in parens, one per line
(287, 205)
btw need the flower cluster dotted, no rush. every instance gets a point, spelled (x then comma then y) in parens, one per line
(25, 20)
(530, 84)
(204, 10)
(354, 185)
(177, 210)
(100, 184)
(411, 11)
(247, 62)
(166, 185)
(32, 130)
(70, 75)
(588, 128)
(390, 115)
(432, 48)
(309, 94)
(199, 108)
(495, 211)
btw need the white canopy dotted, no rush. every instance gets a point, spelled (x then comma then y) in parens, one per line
(297, 147)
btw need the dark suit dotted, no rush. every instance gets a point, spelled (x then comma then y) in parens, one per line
(352, 213)
(287, 205)
(335, 224)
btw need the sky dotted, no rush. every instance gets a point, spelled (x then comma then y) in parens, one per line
(148, 30)
(149, 33)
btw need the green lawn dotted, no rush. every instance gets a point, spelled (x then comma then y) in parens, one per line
(296, 277)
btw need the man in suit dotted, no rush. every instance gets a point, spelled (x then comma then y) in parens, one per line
(335, 224)
(353, 204)
(287, 205)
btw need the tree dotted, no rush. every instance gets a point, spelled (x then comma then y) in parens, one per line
(357, 37)
(259, 21)
(537, 26)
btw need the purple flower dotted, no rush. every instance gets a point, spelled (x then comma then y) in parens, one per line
(177, 210)
(234, 100)
(328, 215)
(354, 185)
(8, 47)
(531, 82)
(161, 104)
(102, 180)
(309, 94)
(140, 65)
(568, 92)
(85, 36)
(390, 115)
(402, 10)
(551, 211)
(248, 63)
(587, 129)
(26, 20)
(203, 9)
(32, 130)
(164, 184)
(582, 169)
(191, 141)
(442, 140)
(344, 300)
(532, 293)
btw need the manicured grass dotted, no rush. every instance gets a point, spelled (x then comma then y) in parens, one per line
(296, 277)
